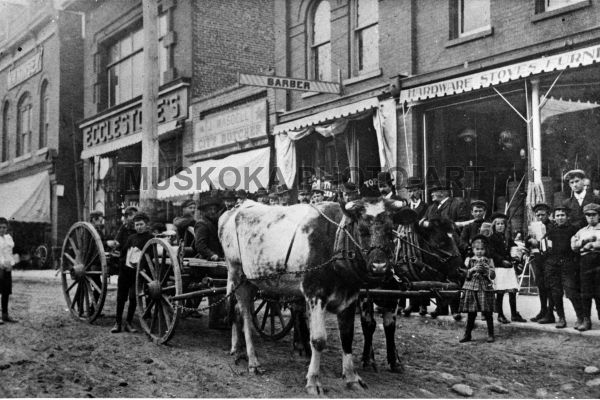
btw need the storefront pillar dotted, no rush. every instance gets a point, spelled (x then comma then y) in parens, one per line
(536, 142)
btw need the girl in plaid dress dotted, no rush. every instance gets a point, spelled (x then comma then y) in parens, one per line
(477, 293)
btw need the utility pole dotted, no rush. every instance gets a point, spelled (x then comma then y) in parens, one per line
(149, 175)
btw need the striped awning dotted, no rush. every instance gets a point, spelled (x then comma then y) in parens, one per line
(327, 115)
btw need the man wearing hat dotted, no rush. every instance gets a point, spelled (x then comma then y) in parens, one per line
(229, 199)
(453, 208)
(586, 243)
(478, 210)
(580, 197)
(262, 196)
(385, 183)
(241, 195)
(317, 196)
(304, 194)
(126, 229)
(349, 192)
(273, 199)
(185, 222)
(128, 260)
(561, 269)
(415, 196)
(283, 194)
(207, 238)
(538, 262)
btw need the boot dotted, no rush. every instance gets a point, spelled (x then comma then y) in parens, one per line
(6, 318)
(406, 312)
(465, 338)
(578, 323)
(127, 327)
(539, 316)
(469, 328)
(586, 325)
(116, 329)
(562, 323)
(517, 318)
(548, 318)
(502, 319)
(422, 311)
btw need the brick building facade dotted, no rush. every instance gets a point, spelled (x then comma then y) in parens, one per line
(40, 93)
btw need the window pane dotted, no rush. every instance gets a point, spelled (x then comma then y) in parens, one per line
(138, 40)
(554, 4)
(162, 61)
(126, 46)
(5, 132)
(138, 74)
(125, 80)
(113, 53)
(366, 12)
(368, 48)
(475, 15)
(322, 23)
(323, 62)
(113, 86)
(162, 25)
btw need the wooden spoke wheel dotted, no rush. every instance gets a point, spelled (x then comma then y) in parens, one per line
(158, 279)
(84, 272)
(272, 319)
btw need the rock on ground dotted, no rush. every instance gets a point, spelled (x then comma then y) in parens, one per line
(463, 390)
(591, 370)
(593, 382)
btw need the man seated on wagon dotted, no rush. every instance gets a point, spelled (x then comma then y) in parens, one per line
(185, 221)
(97, 220)
(229, 199)
(207, 243)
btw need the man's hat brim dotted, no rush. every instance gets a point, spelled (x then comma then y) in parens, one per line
(573, 174)
(541, 206)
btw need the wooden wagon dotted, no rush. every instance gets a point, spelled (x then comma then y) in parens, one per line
(165, 280)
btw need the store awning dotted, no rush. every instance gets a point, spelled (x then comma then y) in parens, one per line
(554, 107)
(327, 116)
(571, 59)
(124, 141)
(26, 199)
(247, 170)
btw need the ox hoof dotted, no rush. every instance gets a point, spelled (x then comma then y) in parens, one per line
(316, 390)
(256, 370)
(397, 368)
(370, 365)
(238, 357)
(358, 386)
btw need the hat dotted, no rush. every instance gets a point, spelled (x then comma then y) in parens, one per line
(304, 189)
(369, 191)
(241, 194)
(141, 216)
(261, 192)
(385, 177)
(478, 203)
(562, 208)
(130, 210)
(592, 207)
(317, 190)
(414, 183)
(188, 203)
(541, 206)
(272, 195)
(209, 201)
(441, 185)
(96, 214)
(282, 189)
(574, 173)
(228, 195)
(481, 237)
(498, 216)
(349, 187)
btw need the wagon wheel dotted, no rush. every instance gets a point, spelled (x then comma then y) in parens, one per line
(272, 319)
(84, 272)
(41, 254)
(158, 278)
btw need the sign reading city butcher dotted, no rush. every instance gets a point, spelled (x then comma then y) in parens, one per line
(237, 124)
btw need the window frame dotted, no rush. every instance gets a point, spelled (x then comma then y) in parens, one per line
(314, 47)
(24, 137)
(548, 9)
(356, 31)
(460, 21)
(44, 115)
(5, 156)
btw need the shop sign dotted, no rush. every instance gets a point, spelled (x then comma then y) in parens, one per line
(280, 82)
(237, 124)
(572, 59)
(122, 123)
(26, 70)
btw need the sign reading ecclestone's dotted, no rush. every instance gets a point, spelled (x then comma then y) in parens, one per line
(237, 124)
(24, 71)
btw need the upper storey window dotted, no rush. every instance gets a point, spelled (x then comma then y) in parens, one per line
(473, 16)
(24, 125)
(321, 42)
(366, 33)
(550, 5)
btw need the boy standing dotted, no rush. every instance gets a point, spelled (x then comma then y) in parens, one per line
(129, 258)
(6, 263)
(478, 210)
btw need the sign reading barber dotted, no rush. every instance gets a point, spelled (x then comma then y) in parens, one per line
(280, 82)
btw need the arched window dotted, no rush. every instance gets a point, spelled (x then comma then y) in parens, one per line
(24, 125)
(321, 42)
(5, 145)
(44, 115)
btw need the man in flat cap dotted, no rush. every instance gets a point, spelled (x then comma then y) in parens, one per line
(126, 229)
(262, 196)
(317, 196)
(349, 192)
(561, 269)
(385, 183)
(283, 194)
(539, 248)
(304, 194)
(478, 210)
(207, 242)
(586, 242)
(580, 197)
(185, 223)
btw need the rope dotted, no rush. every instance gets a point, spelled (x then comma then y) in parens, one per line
(339, 227)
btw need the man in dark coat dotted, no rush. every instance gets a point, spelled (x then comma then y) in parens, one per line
(206, 230)
(453, 208)
(478, 210)
(126, 228)
(580, 197)
(185, 221)
(415, 196)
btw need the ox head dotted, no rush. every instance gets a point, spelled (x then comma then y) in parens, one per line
(375, 221)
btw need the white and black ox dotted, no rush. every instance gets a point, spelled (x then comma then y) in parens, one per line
(275, 242)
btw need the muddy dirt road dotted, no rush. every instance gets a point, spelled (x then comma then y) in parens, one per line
(49, 354)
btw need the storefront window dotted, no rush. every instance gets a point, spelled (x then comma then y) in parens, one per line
(321, 42)
(479, 146)
(126, 64)
(367, 35)
(570, 123)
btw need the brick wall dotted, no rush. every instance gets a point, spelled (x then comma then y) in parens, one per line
(230, 36)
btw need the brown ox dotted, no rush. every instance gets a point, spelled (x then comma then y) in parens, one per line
(273, 246)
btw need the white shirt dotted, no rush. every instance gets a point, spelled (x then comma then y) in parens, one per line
(580, 196)
(7, 259)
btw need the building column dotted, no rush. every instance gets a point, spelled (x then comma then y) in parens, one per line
(536, 128)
